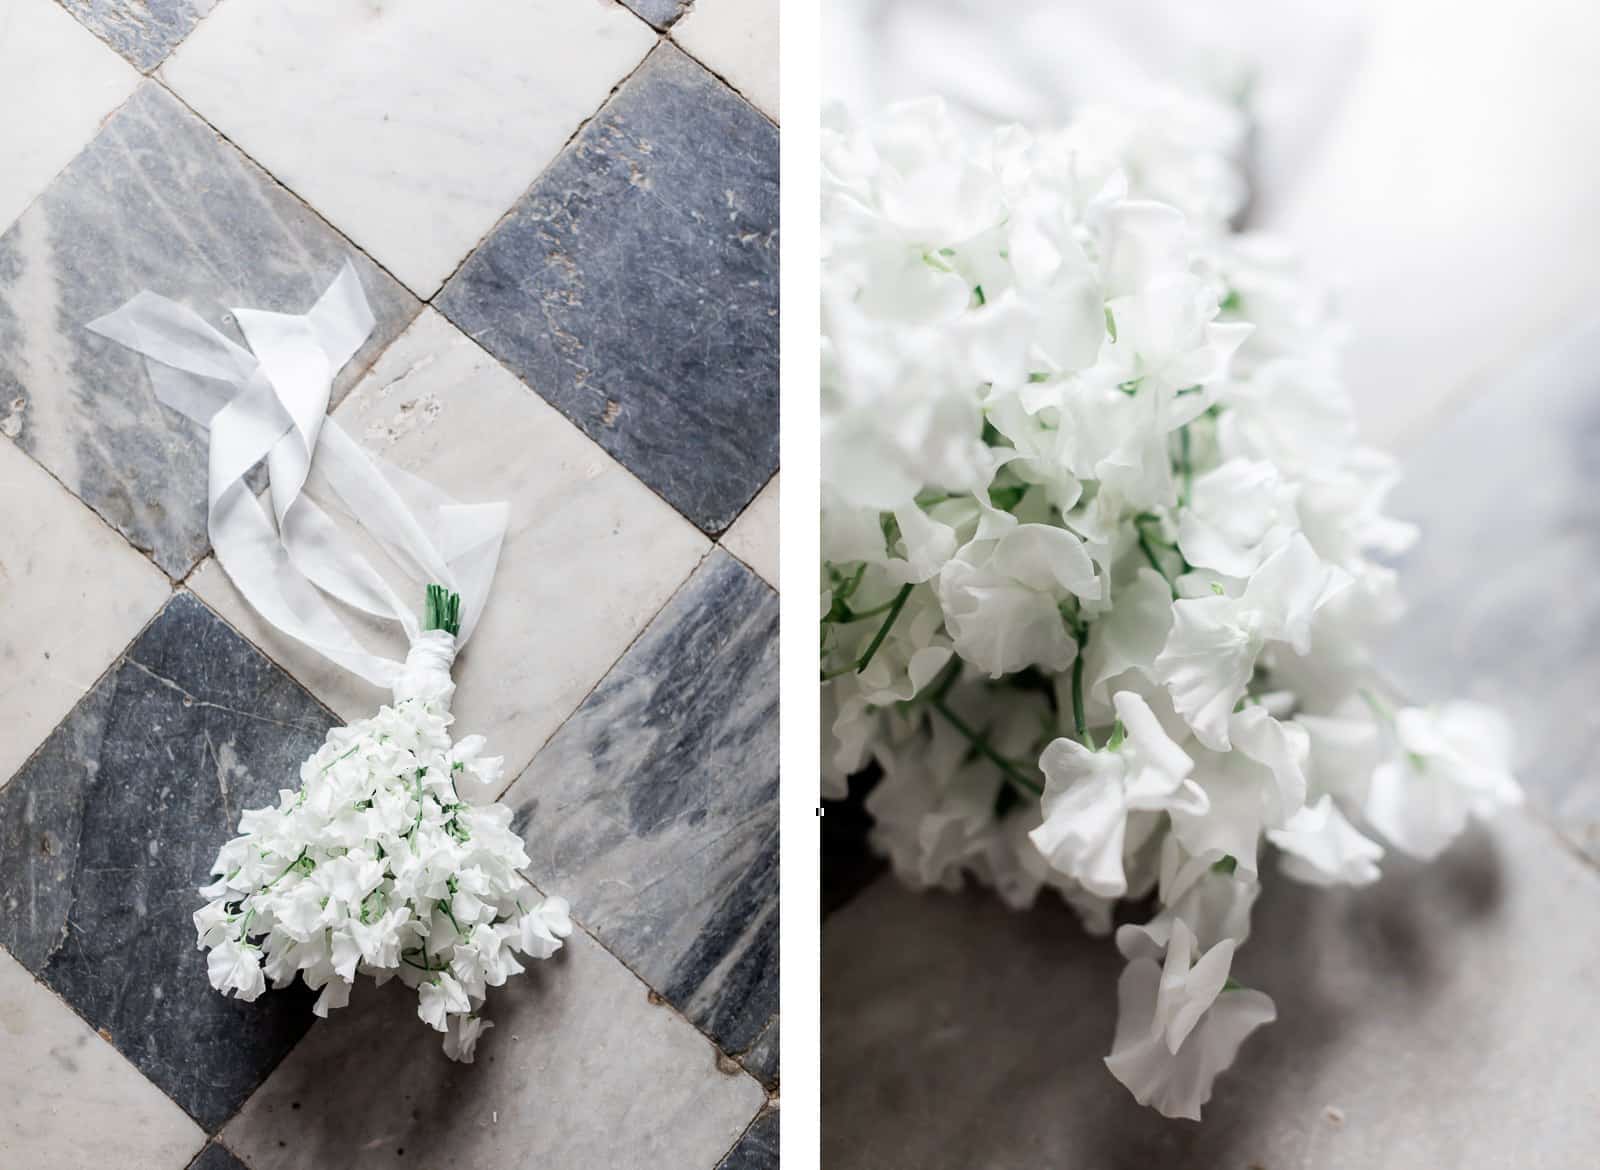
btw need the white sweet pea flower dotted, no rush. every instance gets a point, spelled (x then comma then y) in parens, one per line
(1083, 439)
(1180, 1024)
(1257, 785)
(439, 998)
(1167, 342)
(1133, 633)
(1002, 598)
(1213, 897)
(1089, 795)
(541, 931)
(1215, 640)
(1322, 848)
(1238, 515)
(376, 865)
(335, 994)
(235, 968)
(1344, 752)
(1450, 763)
(461, 1041)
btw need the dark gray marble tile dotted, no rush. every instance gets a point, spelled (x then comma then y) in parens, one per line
(761, 1061)
(217, 1157)
(758, 1148)
(635, 287)
(1445, 1016)
(143, 31)
(108, 831)
(654, 808)
(156, 201)
(1502, 603)
(660, 13)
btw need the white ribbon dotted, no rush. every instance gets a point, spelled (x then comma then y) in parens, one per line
(271, 402)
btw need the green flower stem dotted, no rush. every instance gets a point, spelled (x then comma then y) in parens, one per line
(293, 865)
(419, 966)
(861, 663)
(857, 615)
(444, 904)
(1078, 721)
(342, 758)
(1150, 554)
(442, 610)
(883, 630)
(1382, 710)
(1185, 465)
(981, 746)
(417, 824)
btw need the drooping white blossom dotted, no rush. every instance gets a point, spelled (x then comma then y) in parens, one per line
(1179, 1024)
(1103, 557)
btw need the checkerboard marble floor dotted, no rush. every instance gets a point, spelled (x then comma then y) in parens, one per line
(565, 218)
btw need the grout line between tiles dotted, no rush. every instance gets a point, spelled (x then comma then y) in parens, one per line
(303, 202)
(116, 660)
(714, 538)
(240, 1158)
(122, 1056)
(554, 159)
(147, 553)
(743, 1133)
(95, 133)
(734, 89)
(742, 513)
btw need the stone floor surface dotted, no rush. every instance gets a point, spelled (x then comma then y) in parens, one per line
(565, 219)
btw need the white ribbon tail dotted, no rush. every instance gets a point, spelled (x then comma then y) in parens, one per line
(271, 402)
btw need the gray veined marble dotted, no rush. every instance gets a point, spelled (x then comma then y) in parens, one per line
(654, 808)
(635, 287)
(143, 31)
(758, 1148)
(157, 200)
(660, 13)
(217, 1157)
(761, 1060)
(1502, 605)
(112, 826)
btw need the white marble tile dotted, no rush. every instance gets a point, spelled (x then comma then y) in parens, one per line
(590, 556)
(68, 1100)
(412, 127)
(580, 1069)
(57, 81)
(738, 39)
(74, 595)
(754, 535)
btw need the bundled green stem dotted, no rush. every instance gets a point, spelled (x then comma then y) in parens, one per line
(442, 610)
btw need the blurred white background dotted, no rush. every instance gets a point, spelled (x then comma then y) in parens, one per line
(1438, 162)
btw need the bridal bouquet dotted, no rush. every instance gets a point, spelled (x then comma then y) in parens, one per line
(1100, 555)
(377, 863)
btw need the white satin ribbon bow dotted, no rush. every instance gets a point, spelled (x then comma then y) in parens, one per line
(271, 401)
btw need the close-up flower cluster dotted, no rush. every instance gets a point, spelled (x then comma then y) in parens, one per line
(377, 865)
(1103, 557)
